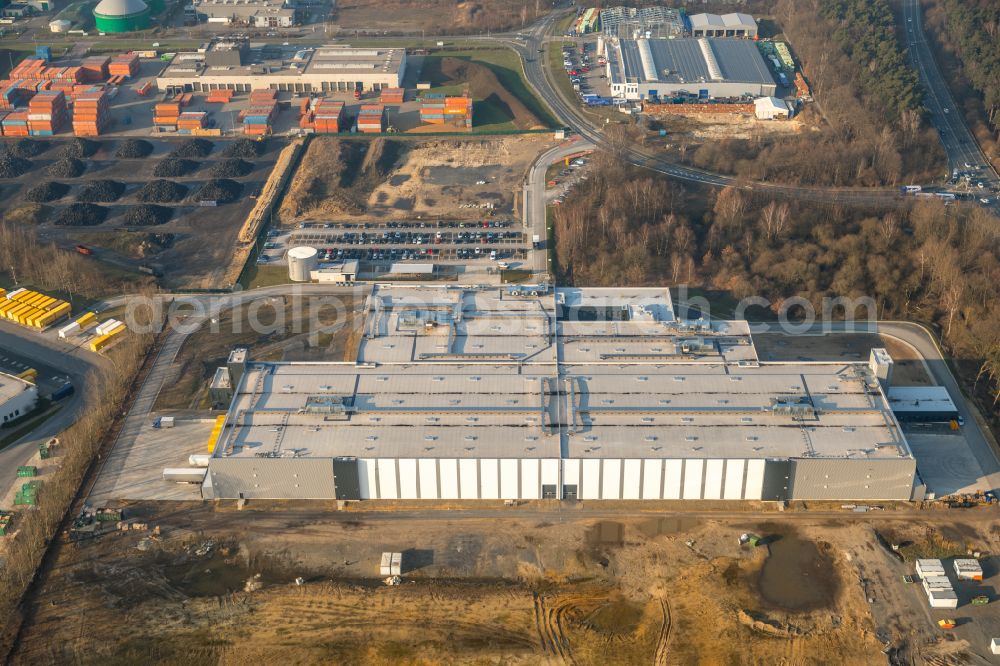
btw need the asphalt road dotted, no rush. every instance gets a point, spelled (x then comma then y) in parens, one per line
(66, 359)
(957, 139)
(534, 199)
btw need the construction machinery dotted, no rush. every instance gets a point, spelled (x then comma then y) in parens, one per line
(947, 624)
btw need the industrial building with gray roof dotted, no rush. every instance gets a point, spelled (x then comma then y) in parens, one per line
(534, 393)
(706, 67)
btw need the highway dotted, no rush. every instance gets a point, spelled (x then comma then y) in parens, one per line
(959, 143)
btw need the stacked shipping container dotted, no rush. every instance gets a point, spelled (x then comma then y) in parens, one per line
(258, 118)
(125, 65)
(328, 116)
(371, 118)
(438, 109)
(219, 96)
(95, 69)
(165, 114)
(47, 113)
(191, 120)
(392, 96)
(90, 112)
(106, 333)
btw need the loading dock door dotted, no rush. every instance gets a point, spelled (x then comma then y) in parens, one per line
(549, 491)
(346, 484)
(569, 492)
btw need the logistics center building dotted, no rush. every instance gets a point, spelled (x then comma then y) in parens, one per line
(529, 393)
(236, 66)
(706, 67)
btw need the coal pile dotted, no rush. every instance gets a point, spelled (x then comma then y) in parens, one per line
(12, 166)
(172, 167)
(80, 148)
(231, 168)
(103, 191)
(81, 215)
(162, 191)
(26, 148)
(221, 190)
(67, 167)
(47, 191)
(147, 215)
(245, 148)
(193, 148)
(131, 149)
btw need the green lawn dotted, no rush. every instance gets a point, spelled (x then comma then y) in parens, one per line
(506, 66)
(556, 69)
(259, 275)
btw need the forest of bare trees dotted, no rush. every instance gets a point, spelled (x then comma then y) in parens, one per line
(932, 263)
(47, 267)
(866, 127)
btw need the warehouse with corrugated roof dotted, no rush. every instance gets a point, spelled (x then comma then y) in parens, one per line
(705, 67)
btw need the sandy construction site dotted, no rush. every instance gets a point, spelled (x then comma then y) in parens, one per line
(340, 179)
(543, 583)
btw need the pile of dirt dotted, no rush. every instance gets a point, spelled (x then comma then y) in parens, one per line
(172, 167)
(162, 191)
(231, 168)
(131, 149)
(336, 176)
(485, 86)
(245, 148)
(193, 148)
(147, 215)
(80, 148)
(81, 215)
(103, 191)
(221, 190)
(12, 166)
(765, 625)
(26, 148)
(67, 167)
(47, 191)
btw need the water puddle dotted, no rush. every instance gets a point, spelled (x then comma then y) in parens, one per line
(797, 575)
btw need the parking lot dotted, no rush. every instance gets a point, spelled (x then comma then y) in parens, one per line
(493, 240)
(586, 69)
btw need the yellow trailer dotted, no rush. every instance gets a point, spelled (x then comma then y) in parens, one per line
(213, 438)
(14, 313)
(97, 344)
(7, 305)
(87, 319)
(47, 303)
(51, 315)
(23, 317)
(26, 295)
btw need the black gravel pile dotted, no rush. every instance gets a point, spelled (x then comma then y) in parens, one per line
(245, 148)
(47, 191)
(67, 167)
(131, 149)
(221, 190)
(162, 191)
(172, 167)
(231, 168)
(80, 148)
(81, 215)
(27, 148)
(12, 166)
(147, 215)
(103, 191)
(193, 148)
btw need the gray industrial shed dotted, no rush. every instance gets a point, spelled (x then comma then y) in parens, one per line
(709, 68)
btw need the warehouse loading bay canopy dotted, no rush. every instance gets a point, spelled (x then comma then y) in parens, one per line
(529, 392)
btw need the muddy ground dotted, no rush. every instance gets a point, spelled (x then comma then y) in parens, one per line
(389, 179)
(544, 583)
(191, 250)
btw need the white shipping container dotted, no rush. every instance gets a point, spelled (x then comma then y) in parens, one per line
(199, 459)
(39, 116)
(12, 295)
(107, 326)
(385, 568)
(995, 646)
(937, 583)
(184, 474)
(942, 599)
(396, 564)
(929, 568)
(166, 422)
(69, 330)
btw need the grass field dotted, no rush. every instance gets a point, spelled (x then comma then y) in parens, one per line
(506, 66)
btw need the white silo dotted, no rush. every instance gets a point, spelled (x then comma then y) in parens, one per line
(302, 262)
